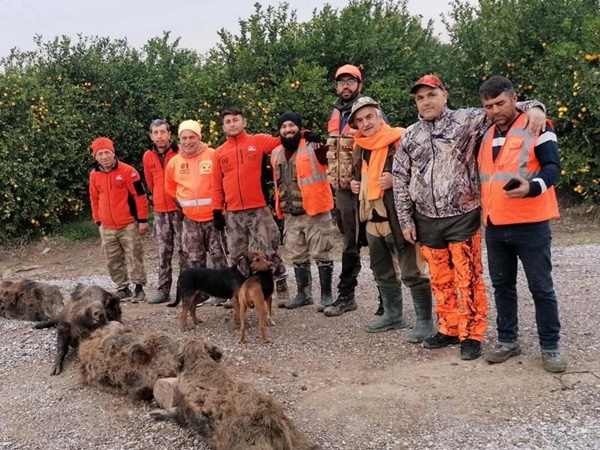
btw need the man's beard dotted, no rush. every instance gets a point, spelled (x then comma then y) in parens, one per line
(291, 143)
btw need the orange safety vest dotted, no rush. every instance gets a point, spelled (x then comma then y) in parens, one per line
(333, 126)
(517, 157)
(316, 192)
(189, 180)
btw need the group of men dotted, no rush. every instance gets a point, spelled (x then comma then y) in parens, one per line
(414, 196)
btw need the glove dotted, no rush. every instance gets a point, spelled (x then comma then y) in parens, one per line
(218, 220)
(311, 137)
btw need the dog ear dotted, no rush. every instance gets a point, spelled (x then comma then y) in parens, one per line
(243, 266)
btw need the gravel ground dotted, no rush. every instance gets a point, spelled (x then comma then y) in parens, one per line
(345, 388)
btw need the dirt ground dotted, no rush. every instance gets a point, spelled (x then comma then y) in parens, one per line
(345, 388)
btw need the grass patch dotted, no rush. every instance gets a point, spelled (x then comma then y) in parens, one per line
(78, 231)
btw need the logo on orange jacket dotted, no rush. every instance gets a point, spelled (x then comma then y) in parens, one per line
(251, 148)
(205, 167)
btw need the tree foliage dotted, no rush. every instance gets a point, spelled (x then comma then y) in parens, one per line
(56, 99)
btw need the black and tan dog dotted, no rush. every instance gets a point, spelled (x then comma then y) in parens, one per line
(195, 285)
(256, 292)
(228, 413)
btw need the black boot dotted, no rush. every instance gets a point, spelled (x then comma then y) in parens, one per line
(304, 283)
(392, 318)
(345, 301)
(423, 304)
(325, 275)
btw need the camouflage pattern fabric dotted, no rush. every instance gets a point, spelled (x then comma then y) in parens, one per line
(200, 239)
(307, 237)
(167, 236)
(339, 161)
(254, 228)
(124, 253)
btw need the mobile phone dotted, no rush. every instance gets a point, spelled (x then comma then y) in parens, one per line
(513, 183)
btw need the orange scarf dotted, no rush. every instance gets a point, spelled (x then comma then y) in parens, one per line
(378, 145)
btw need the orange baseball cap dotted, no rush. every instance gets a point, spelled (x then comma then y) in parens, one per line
(428, 80)
(349, 69)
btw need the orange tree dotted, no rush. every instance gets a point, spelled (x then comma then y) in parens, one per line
(550, 49)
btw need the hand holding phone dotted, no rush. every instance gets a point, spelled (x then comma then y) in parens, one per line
(513, 183)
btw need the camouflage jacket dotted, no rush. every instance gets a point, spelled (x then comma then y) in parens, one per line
(435, 168)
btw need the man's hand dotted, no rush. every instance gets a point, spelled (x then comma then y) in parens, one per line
(311, 137)
(355, 186)
(520, 191)
(143, 228)
(218, 220)
(410, 234)
(386, 181)
(535, 121)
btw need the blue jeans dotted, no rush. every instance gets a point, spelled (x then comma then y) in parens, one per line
(530, 243)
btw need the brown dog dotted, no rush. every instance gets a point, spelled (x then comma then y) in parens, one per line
(256, 292)
(30, 300)
(197, 284)
(228, 413)
(123, 361)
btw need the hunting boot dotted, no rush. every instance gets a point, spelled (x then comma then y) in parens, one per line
(281, 288)
(325, 274)
(423, 303)
(379, 311)
(304, 283)
(392, 318)
(345, 301)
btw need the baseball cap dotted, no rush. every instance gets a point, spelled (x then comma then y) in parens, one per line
(349, 69)
(361, 103)
(428, 80)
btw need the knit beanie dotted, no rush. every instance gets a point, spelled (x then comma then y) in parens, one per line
(191, 125)
(102, 143)
(292, 117)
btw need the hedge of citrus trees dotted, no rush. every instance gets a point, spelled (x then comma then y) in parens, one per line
(56, 99)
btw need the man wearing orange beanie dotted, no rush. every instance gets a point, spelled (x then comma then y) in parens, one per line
(120, 209)
(188, 179)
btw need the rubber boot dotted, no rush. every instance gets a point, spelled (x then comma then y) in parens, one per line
(424, 324)
(325, 275)
(379, 311)
(283, 295)
(304, 283)
(392, 318)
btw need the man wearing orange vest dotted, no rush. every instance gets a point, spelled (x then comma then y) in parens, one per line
(348, 86)
(168, 218)
(375, 145)
(436, 190)
(120, 209)
(518, 171)
(188, 179)
(304, 199)
(237, 188)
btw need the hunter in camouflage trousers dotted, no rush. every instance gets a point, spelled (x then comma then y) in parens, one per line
(167, 234)
(258, 224)
(200, 239)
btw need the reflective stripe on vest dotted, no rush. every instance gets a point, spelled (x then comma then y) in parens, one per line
(195, 202)
(528, 141)
(313, 164)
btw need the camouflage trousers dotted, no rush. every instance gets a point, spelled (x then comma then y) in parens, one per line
(254, 228)
(200, 239)
(167, 236)
(123, 250)
(309, 236)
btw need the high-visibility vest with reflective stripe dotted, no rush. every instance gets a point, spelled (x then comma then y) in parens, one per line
(317, 197)
(193, 179)
(517, 157)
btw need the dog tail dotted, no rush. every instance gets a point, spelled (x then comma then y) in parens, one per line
(46, 324)
(175, 302)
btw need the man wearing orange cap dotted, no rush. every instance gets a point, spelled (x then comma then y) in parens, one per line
(348, 86)
(188, 179)
(168, 218)
(436, 189)
(120, 209)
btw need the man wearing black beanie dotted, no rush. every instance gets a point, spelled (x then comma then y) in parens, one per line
(304, 199)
